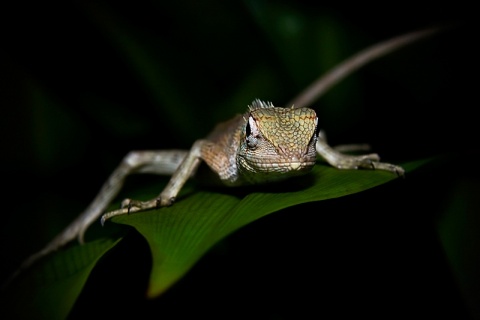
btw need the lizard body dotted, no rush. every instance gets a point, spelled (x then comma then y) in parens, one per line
(265, 144)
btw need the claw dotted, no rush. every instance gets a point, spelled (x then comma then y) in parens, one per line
(125, 203)
(111, 214)
(102, 220)
(400, 172)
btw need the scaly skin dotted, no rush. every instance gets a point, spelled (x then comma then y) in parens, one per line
(265, 144)
(276, 143)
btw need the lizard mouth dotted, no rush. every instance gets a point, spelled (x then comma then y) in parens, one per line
(286, 166)
(280, 169)
(277, 166)
(297, 164)
(300, 165)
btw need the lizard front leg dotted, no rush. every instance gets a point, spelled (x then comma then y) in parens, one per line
(201, 150)
(344, 161)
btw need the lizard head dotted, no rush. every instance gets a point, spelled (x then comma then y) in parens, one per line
(277, 143)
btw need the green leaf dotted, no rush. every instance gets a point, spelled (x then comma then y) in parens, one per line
(179, 235)
(49, 289)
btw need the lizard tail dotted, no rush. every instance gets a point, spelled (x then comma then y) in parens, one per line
(347, 67)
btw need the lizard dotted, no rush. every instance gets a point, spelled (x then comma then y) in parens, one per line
(265, 144)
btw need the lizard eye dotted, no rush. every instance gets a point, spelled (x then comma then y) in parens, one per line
(251, 142)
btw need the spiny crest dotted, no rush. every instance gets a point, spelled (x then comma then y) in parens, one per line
(259, 104)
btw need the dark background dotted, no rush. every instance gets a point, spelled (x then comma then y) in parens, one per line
(85, 82)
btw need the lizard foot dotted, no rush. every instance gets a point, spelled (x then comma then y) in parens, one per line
(370, 161)
(131, 206)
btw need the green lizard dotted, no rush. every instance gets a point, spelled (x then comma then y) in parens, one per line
(265, 144)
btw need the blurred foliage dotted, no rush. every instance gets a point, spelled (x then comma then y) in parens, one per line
(83, 83)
